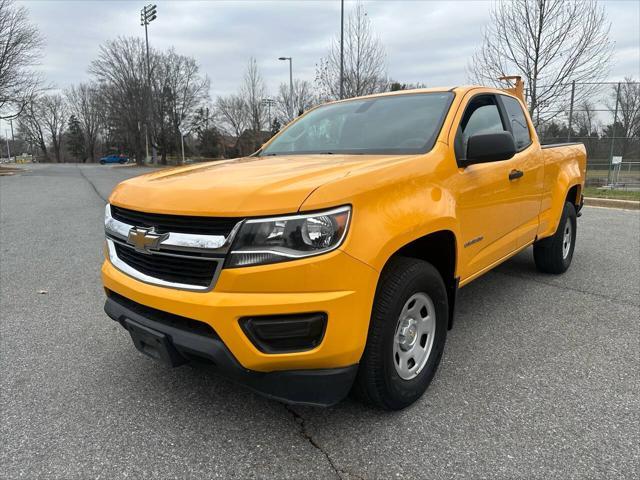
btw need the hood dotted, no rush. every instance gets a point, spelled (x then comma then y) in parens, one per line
(249, 186)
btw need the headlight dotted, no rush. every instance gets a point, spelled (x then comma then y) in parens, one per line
(269, 240)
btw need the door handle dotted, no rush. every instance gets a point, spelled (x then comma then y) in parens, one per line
(513, 174)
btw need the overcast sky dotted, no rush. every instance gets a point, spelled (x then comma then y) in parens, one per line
(426, 41)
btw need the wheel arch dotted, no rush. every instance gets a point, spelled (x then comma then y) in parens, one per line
(571, 192)
(438, 248)
(574, 194)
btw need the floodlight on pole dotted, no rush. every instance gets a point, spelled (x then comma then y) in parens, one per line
(290, 84)
(147, 15)
(268, 102)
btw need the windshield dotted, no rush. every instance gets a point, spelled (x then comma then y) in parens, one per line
(402, 124)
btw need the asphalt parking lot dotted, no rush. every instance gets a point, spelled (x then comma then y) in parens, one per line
(540, 377)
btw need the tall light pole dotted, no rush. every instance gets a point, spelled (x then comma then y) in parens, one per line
(290, 84)
(341, 49)
(269, 102)
(147, 15)
(183, 132)
(6, 135)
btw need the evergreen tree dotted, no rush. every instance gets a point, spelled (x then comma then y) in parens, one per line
(275, 126)
(75, 139)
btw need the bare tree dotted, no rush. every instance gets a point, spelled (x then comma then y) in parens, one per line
(121, 71)
(364, 61)
(190, 90)
(54, 118)
(629, 106)
(628, 117)
(31, 129)
(209, 141)
(253, 92)
(587, 125)
(303, 100)
(178, 92)
(585, 119)
(44, 121)
(85, 102)
(20, 49)
(549, 43)
(394, 86)
(233, 112)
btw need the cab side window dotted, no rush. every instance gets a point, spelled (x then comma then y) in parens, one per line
(518, 122)
(482, 115)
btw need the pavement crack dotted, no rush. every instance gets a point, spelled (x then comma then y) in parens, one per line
(302, 423)
(93, 186)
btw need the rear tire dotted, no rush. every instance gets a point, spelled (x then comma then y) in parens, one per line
(102, 162)
(407, 334)
(554, 254)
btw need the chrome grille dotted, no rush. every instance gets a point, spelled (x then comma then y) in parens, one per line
(186, 258)
(171, 268)
(176, 223)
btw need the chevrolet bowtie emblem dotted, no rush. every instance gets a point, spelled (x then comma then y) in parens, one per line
(145, 239)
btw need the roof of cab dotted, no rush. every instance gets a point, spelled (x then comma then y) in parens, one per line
(458, 89)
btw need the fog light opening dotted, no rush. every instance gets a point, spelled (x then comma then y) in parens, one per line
(285, 333)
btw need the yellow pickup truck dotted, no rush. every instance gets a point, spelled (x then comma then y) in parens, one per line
(329, 260)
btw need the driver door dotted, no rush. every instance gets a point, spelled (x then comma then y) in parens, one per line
(488, 219)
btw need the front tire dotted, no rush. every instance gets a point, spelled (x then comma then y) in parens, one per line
(407, 334)
(554, 254)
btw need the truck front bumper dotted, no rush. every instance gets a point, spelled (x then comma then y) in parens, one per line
(335, 284)
(320, 387)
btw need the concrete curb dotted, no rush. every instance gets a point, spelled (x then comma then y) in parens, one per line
(611, 203)
(7, 171)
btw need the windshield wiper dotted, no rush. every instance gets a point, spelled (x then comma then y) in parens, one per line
(295, 153)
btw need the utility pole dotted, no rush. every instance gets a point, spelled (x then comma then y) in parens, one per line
(613, 133)
(341, 49)
(147, 15)
(293, 113)
(182, 145)
(573, 94)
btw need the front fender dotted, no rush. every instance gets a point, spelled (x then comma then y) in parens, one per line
(392, 206)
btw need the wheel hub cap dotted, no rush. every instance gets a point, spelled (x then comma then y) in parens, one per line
(567, 238)
(408, 334)
(415, 333)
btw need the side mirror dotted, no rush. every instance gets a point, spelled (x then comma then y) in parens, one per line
(489, 147)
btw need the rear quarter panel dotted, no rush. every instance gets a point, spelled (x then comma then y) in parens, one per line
(565, 166)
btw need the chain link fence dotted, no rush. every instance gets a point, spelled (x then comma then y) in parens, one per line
(605, 116)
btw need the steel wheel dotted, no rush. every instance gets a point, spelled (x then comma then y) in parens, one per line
(414, 336)
(567, 238)
(408, 329)
(554, 254)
